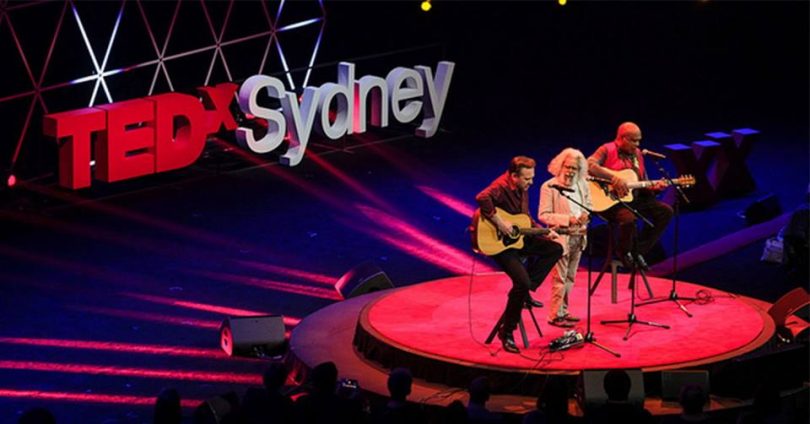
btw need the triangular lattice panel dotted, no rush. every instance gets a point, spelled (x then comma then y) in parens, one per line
(151, 47)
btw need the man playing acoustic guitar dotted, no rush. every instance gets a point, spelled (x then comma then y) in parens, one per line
(509, 192)
(622, 154)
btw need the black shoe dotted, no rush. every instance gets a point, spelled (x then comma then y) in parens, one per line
(560, 322)
(571, 318)
(508, 341)
(531, 303)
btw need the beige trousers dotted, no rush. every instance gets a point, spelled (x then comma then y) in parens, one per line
(562, 278)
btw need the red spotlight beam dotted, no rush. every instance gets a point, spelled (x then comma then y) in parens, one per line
(417, 250)
(350, 182)
(127, 239)
(78, 268)
(224, 310)
(284, 174)
(168, 226)
(205, 376)
(405, 163)
(117, 347)
(451, 202)
(409, 231)
(151, 317)
(289, 272)
(90, 397)
(264, 283)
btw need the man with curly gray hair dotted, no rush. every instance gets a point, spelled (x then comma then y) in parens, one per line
(558, 211)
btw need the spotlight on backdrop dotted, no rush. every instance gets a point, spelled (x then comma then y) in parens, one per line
(562, 2)
(426, 6)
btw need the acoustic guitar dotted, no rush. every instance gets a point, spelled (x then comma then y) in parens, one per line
(603, 197)
(489, 240)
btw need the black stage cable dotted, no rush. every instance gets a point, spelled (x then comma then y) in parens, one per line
(469, 308)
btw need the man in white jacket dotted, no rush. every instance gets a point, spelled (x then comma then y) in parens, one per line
(569, 169)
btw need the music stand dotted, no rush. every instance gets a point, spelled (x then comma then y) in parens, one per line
(636, 270)
(673, 294)
(589, 336)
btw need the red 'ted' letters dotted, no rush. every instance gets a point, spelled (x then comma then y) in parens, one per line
(138, 137)
(130, 127)
(73, 130)
(178, 150)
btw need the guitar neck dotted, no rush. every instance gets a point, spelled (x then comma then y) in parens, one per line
(643, 184)
(533, 231)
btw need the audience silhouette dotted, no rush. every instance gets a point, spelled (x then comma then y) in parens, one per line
(618, 408)
(477, 411)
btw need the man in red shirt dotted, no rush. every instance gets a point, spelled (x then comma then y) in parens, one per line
(619, 154)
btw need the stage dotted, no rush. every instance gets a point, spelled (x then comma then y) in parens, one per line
(438, 329)
(136, 217)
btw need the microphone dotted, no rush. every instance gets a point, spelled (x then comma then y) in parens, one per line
(646, 152)
(561, 188)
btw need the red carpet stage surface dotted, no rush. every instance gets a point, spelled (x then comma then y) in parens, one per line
(438, 328)
(449, 319)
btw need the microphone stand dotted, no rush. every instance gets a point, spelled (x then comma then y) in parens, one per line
(673, 294)
(631, 316)
(589, 336)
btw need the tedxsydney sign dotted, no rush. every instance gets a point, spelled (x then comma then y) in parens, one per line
(167, 131)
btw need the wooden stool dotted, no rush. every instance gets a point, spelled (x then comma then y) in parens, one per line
(521, 326)
(610, 262)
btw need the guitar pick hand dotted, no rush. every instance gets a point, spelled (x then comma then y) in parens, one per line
(619, 186)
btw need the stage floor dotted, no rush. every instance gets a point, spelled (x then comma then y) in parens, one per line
(438, 328)
(449, 320)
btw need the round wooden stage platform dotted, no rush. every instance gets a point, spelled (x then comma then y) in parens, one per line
(438, 329)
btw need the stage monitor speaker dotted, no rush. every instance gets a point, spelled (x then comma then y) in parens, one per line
(591, 391)
(763, 209)
(783, 366)
(673, 381)
(261, 335)
(363, 278)
(783, 308)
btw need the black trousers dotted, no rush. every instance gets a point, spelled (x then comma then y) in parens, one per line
(657, 212)
(540, 255)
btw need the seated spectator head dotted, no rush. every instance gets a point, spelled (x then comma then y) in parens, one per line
(766, 398)
(479, 390)
(617, 385)
(553, 400)
(324, 377)
(37, 416)
(399, 383)
(167, 407)
(275, 376)
(692, 399)
(256, 405)
(455, 413)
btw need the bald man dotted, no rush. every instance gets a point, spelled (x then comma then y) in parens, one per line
(623, 153)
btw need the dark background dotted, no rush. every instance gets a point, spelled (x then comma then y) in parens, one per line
(530, 78)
